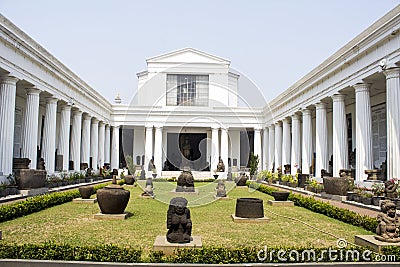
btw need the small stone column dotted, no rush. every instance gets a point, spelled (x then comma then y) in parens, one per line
(321, 142)
(76, 130)
(278, 145)
(307, 150)
(393, 122)
(224, 147)
(295, 161)
(158, 149)
(285, 143)
(214, 148)
(85, 148)
(100, 160)
(115, 148)
(107, 145)
(94, 143)
(49, 134)
(30, 126)
(271, 153)
(148, 149)
(63, 140)
(340, 151)
(265, 149)
(8, 87)
(363, 131)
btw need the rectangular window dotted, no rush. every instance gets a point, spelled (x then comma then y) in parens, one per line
(187, 90)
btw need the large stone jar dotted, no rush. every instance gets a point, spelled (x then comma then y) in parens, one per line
(129, 179)
(86, 191)
(249, 208)
(112, 199)
(280, 195)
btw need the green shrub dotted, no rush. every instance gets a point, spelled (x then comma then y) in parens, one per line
(326, 208)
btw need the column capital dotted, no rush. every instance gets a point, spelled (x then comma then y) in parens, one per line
(338, 97)
(295, 117)
(392, 73)
(361, 87)
(158, 128)
(286, 120)
(77, 112)
(306, 111)
(278, 123)
(101, 123)
(32, 91)
(86, 117)
(9, 79)
(107, 126)
(272, 126)
(214, 128)
(51, 99)
(320, 105)
(116, 126)
(95, 120)
(66, 107)
(257, 129)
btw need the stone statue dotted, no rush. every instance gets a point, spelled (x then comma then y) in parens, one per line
(149, 189)
(220, 166)
(390, 189)
(186, 149)
(41, 165)
(179, 224)
(221, 190)
(388, 223)
(185, 182)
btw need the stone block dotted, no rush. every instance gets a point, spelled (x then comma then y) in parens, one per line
(249, 220)
(29, 178)
(333, 197)
(85, 200)
(34, 191)
(161, 244)
(370, 242)
(101, 216)
(287, 203)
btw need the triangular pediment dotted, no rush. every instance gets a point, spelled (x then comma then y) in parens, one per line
(187, 55)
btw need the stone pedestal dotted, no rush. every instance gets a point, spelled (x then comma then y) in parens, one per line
(85, 200)
(281, 203)
(101, 216)
(34, 191)
(249, 220)
(161, 244)
(225, 198)
(29, 178)
(372, 243)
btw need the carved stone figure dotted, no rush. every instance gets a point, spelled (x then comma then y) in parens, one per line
(185, 182)
(390, 189)
(241, 181)
(221, 190)
(388, 223)
(41, 165)
(148, 190)
(179, 224)
(220, 166)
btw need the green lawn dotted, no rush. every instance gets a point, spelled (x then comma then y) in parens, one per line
(73, 223)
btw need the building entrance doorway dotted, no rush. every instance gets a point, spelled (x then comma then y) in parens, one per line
(187, 150)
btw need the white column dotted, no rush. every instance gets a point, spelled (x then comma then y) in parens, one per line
(158, 149)
(85, 146)
(257, 145)
(393, 122)
(8, 87)
(75, 150)
(164, 146)
(271, 154)
(214, 148)
(49, 134)
(107, 145)
(224, 147)
(102, 128)
(115, 148)
(285, 143)
(94, 143)
(339, 134)
(234, 135)
(148, 149)
(364, 160)
(265, 149)
(63, 140)
(306, 142)
(30, 126)
(296, 144)
(321, 142)
(278, 145)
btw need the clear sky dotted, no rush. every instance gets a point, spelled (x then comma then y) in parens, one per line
(272, 43)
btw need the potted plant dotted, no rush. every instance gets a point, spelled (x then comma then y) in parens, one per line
(378, 189)
(285, 179)
(3, 189)
(254, 160)
(366, 197)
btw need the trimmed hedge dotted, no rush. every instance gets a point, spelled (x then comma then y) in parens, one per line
(51, 251)
(324, 208)
(38, 203)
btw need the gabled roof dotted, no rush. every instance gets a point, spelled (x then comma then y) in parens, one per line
(187, 55)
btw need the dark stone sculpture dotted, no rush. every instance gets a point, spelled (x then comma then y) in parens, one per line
(391, 189)
(221, 190)
(280, 195)
(249, 208)
(41, 165)
(86, 191)
(241, 181)
(388, 223)
(148, 190)
(185, 182)
(220, 166)
(179, 224)
(113, 199)
(129, 179)
(337, 185)
(21, 163)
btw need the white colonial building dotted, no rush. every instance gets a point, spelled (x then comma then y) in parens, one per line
(344, 114)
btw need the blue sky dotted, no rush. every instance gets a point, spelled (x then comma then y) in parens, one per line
(271, 43)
